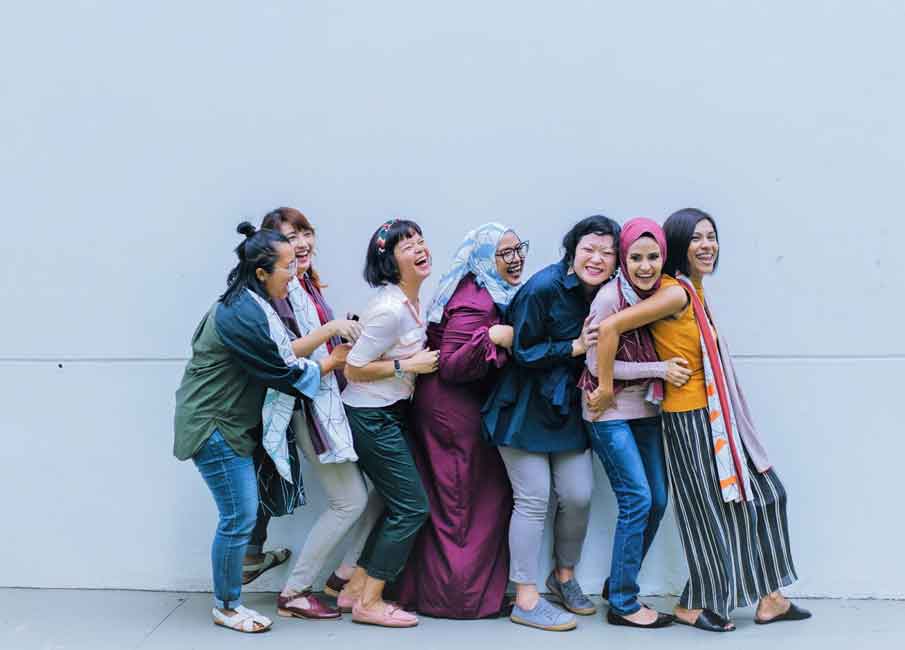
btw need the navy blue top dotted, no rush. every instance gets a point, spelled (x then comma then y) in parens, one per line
(536, 404)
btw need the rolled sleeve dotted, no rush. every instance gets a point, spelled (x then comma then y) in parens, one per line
(379, 333)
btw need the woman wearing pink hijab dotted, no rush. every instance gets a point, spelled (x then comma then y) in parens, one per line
(627, 436)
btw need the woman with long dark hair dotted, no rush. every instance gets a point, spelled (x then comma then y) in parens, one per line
(240, 350)
(534, 417)
(729, 502)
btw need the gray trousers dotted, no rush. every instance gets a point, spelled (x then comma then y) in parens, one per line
(351, 511)
(532, 474)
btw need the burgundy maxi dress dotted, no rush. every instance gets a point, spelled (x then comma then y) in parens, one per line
(459, 566)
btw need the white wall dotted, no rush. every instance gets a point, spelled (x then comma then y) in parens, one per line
(135, 136)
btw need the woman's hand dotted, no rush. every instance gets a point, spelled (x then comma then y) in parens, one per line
(349, 330)
(600, 400)
(422, 363)
(677, 372)
(587, 338)
(336, 360)
(501, 335)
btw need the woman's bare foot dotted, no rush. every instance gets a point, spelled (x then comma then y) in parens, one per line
(644, 616)
(690, 616)
(771, 606)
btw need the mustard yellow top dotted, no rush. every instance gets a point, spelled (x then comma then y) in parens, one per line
(679, 337)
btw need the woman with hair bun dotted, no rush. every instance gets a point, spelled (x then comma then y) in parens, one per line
(381, 369)
(241, 349)
(320, 429)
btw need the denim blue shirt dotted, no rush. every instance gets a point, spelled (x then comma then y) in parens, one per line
(536, 405)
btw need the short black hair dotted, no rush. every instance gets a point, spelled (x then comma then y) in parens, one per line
(380, 263)
(593, 225)
(257, 251)
(679, 229)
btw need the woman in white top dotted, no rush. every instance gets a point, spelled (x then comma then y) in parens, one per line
(381, 370)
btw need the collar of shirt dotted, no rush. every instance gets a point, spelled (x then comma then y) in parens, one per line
(570, 278)
(395, 293)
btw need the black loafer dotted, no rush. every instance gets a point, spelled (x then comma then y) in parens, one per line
(710, 622)
(794, 613)
(662, 620)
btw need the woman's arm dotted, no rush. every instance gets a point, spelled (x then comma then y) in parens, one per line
(467, 350)
(421, 363)
(306, 345)
(348, 329)
(666, 302)
(531, 345)
(378, 335)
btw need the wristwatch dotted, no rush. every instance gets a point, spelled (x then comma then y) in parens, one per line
(397, 369)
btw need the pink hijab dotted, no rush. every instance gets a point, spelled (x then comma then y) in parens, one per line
(633, 230)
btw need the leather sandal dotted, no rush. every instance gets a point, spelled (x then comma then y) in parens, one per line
(251, 572)
(244, 620)
(709, 621)
(316, 610)
(334, 585)
(794, 613)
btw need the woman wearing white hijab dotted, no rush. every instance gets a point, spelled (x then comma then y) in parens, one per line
(460, 564)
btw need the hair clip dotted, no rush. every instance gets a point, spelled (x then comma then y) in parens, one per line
(382, 233)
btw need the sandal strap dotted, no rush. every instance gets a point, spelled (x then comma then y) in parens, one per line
(255, 616)
(241, 621)
(271, 559)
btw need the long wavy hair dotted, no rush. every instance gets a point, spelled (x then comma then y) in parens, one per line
(275, 218)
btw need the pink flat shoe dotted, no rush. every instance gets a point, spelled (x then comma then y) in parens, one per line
(345, 602)
(391, 616)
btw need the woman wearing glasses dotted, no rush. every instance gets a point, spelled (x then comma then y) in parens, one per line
(534, 417)
(459, 567)
(240, 351)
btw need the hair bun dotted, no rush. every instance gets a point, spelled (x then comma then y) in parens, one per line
(245, 228)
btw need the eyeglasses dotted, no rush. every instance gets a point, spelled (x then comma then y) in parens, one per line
(508, 254)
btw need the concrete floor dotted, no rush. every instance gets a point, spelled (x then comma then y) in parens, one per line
(43, 619)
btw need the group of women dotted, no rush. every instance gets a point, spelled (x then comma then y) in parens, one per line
(439, 429)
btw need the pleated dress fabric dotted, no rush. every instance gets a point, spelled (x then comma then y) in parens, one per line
(737, 552)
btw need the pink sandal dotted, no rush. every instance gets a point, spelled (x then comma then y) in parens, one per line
(391, 616)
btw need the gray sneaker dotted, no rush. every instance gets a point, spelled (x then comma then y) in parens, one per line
(570, 595)
(544, 616)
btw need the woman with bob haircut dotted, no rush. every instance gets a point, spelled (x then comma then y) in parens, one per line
(534, 417)
(730, 504)
(381, 370)
(240, 351)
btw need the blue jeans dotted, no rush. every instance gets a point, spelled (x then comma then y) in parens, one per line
(231, 480)
(632, 455)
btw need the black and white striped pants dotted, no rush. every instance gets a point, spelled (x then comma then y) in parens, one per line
(736, 552)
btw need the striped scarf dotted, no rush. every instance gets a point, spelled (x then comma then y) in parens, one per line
(729, 453)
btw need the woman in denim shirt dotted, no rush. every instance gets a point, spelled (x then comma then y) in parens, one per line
(534, 417)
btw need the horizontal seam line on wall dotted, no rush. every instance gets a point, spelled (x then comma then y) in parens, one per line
(166, 359)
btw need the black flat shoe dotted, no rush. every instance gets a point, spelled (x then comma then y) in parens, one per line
(710, 622)
(662, 620)
(794, 613)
